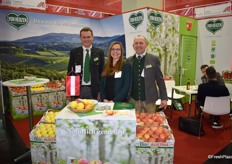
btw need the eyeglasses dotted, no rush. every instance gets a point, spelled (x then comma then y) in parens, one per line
(115, 49)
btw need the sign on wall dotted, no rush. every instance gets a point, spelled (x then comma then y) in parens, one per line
(31, 4)
(214, 44)
(39, 44)
(214, 10)
(135, 23)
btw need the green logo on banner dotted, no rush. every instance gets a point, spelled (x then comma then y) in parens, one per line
(155, 18)
(136, 19)
(214, 25)
(17, 20)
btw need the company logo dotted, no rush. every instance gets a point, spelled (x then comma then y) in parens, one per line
(41, 4)
(212, 56)
(17, 20)
(214, 25)
(155, 18)
(136, 19)
(227, 9)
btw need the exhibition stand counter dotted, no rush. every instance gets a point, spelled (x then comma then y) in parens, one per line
(95, 136)
(118, 138)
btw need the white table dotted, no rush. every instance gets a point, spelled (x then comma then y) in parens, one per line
(191, 92)
(27, 84)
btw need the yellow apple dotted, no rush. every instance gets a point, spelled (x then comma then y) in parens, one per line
(80, 106)
(73, 104)
(90, 102)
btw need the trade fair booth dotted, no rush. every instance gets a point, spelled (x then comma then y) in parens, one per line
(37, 44)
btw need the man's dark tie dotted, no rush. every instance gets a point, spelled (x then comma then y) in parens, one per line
(87, 68)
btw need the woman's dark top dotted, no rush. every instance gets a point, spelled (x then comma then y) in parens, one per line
(109, 88)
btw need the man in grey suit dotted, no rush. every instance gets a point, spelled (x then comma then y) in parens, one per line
(146, 77)
(89, 88)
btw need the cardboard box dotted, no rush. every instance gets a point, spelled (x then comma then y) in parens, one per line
(155, 152)
(45, 133)
(154, 144)
(43, 149)
(155, 155)
(41, 102)
(43, 153)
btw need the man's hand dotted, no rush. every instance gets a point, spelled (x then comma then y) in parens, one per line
(163, 104)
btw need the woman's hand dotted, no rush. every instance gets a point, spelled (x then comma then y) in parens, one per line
(105, 100)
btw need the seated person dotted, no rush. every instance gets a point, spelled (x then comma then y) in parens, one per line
(204, 78)
(211, 88)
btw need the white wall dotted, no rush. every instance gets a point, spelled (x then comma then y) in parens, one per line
(223, 46)
(128, 5)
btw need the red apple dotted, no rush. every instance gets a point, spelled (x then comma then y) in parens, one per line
(82, 161)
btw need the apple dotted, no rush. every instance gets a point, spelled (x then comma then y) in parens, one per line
(80, 106)
(150, 121)
(73, 104)
(167, 133)
(89, 106)
(95, 162)
(149, 115)
(139, 135)
(146, 136)
(151, 140)
(83, 161)
(154, 136)
(155, 124)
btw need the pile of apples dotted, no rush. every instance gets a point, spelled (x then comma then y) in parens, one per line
(18, 89)
(81, 105)
(54, 84)
(50, 116)
(153, 133)
(38, 88)
(22, 107)
(45, 130)
(150, 119)
(151, 127)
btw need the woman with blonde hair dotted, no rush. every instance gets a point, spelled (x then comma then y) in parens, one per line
(116, 76)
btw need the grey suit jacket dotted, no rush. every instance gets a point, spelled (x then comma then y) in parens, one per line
(153, 78)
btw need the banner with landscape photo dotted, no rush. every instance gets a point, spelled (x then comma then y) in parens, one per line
(39, 44)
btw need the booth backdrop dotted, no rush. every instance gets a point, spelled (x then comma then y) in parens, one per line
(42, 42)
